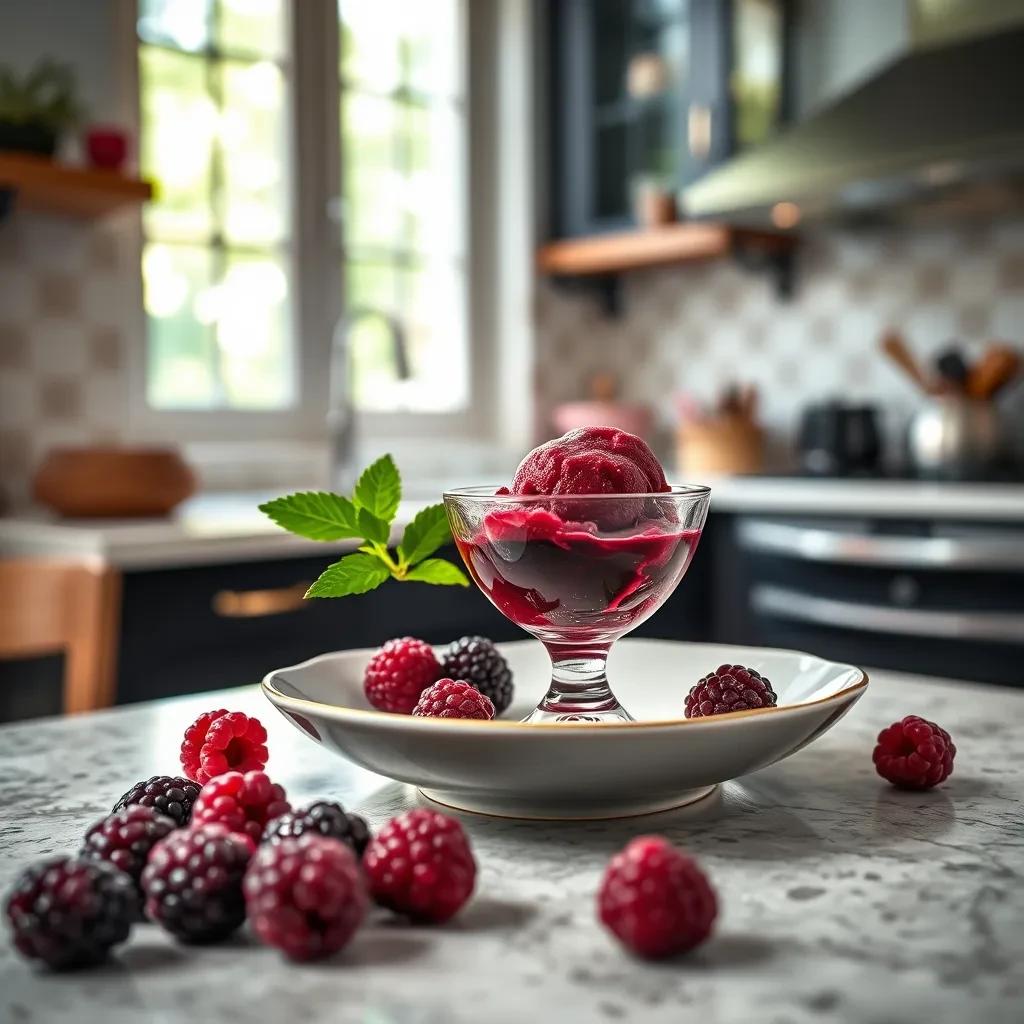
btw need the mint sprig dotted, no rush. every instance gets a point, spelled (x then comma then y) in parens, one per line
(368, 516)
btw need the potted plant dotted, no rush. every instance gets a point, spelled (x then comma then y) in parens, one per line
(37, 107)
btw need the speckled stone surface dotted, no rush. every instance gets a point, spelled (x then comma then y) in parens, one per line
(842, 899)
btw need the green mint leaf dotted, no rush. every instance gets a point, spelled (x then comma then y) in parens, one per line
(317, 515)
(425, 534)
(439, 571)
(379, 489)
(373, 528)
(354, 574)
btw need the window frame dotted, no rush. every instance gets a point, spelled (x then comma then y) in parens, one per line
(315, 263)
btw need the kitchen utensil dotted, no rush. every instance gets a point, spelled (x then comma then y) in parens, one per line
(952, 370)
(577, 571)
(956, 438)
(575, 769)
(718, 445)
(113, 482)
(895, 348)
(839, 440)
(996, 368)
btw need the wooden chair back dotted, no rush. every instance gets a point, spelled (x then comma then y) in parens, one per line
(51, 606)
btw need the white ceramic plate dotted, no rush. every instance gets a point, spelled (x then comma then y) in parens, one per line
(575, 770)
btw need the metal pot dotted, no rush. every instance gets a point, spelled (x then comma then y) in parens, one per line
(956, 438)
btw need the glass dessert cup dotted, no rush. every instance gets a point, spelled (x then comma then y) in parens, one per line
(577, 572)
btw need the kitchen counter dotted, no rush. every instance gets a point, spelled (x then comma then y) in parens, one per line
(914, 499)
(842, 899)
(208, 529)
(220, 528)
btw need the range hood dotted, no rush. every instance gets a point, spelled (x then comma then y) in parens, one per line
(940, 127)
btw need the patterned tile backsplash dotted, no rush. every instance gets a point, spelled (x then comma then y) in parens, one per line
(698, 328)
(70, 322)
(69, 307)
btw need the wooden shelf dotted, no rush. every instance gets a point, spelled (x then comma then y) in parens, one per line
(654, 247)
(42, 184)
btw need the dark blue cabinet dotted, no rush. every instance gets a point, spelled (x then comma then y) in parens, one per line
(656, 92)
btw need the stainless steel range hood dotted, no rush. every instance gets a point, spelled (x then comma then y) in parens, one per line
(939, 127)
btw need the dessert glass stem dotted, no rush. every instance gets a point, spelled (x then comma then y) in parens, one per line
(579, 690)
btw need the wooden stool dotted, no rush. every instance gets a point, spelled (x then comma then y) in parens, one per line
(52, 606)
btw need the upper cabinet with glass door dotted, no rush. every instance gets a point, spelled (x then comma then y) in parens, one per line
(654, 93)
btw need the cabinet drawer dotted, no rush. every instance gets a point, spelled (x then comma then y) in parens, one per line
(189, 629)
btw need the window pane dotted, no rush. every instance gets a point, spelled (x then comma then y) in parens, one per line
(369, 43)
(435, 320)
(182, 369)
(251, 27)
(371, 288)
(373, 187)
(252, 134)
(433, 192)
(183, 24)
(179, 121)
(390, 43)
(427, 304)
(251, 316)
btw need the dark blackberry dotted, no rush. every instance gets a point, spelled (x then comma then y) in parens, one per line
(323, 818)
(477, 660)
(729, 688)
(170, 795)
(69, 912)
(193, 882)
(124, 839)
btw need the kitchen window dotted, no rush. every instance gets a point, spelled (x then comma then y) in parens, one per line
(299, 177)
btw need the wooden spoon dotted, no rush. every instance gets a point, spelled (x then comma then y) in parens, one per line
(896, 349)
(996, 368)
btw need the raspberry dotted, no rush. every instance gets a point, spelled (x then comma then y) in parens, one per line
(193, 882)
(124, 839)
(69, 912)
(914, 754)
(477, 660)
(169, 795)
(305, 896)
(421, 865)
(244, 803)
(655, 899)
(729, 688)
(453, 698)
(323, 818)
(398, 673)
(223, 741)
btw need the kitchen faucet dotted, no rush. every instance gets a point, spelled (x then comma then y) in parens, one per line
(341, 410)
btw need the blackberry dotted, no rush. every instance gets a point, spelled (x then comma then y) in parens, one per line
(478, 661)
(69, 912)
(324, 818)
(193, 882)
(729, 688)
(124, 839)
(170, 795)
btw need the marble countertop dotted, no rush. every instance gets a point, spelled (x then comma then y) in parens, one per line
(228, 527)
(207, 529)
(842, 899)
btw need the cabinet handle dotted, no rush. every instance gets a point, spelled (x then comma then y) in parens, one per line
(698, 130)
(254, 604)
(992, 627)
(999, 553)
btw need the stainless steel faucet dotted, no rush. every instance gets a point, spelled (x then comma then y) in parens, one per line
(341, 410)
